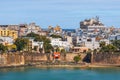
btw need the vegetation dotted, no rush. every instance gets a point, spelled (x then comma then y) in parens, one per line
(77, 58)
(116, 43)
(3, 48)
(107, 48)
(55, 36)
(63, 53)
(56, 49)
(21, 43)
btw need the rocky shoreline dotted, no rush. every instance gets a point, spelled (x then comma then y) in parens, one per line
(87, 65)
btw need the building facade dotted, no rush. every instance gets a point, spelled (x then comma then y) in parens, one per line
(9, 33)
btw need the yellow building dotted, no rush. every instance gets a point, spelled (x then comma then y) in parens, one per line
(9, 33)
(57, 28)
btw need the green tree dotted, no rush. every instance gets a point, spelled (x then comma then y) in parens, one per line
(3, 48)
(21, 43)
(48, 49)
(77, 58)
(108, 48)
(111, 48)
(116, 43)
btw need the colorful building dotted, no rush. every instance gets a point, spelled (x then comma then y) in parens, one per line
(56, 55)
(8, 33)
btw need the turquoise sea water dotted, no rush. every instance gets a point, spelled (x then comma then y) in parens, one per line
(33, 73)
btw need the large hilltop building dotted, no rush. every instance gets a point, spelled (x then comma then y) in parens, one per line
(90, 33)
(92, 23)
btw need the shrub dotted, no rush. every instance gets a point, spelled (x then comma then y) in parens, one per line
(77, 58)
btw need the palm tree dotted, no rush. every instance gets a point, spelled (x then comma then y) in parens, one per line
(63, 53)
(48, 50)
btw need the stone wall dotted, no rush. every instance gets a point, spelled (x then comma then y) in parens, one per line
(12, 59)
(26, 58)
(70, 56)
(34, 57)
(106, 58)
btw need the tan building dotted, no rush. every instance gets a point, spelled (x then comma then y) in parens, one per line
(10, 27)
(79, 49)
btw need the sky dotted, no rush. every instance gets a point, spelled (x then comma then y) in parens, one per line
(65, 13)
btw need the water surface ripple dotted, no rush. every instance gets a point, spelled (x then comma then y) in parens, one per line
(32, 73)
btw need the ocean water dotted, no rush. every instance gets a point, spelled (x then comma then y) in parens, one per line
(33, 73)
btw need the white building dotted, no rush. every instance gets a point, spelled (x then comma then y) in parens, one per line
(70, 39)
(91, 43)
(114, 37)
(57, 42)
(32, 27)
(6, 40)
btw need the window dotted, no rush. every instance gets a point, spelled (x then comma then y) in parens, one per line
(89, 40)
(7, 33)
(4, 33)
(1, 33)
